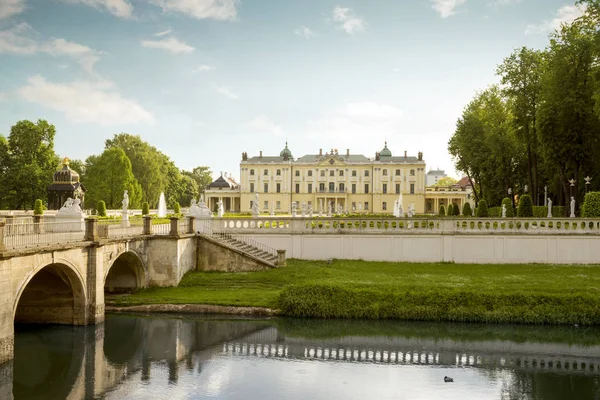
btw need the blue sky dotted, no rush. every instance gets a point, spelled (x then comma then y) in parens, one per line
(205, 80)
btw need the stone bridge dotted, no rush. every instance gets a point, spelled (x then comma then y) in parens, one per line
(60, 276)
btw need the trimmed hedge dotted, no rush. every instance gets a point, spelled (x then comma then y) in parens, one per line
(525, 209)
(38, 208)
(442, 211)
(456, 210)
(591, 205)
(482, 209)
(316, 300)
(466, 211)
(101, 208)
(176, 208)
(145, 208)
(510, 211)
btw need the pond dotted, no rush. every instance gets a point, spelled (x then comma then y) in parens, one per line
(217, 357)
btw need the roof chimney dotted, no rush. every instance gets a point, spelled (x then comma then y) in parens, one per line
(260, 154)
(347, 152)
(405, 153)
(320, 152)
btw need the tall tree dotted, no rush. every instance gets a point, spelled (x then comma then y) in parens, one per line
(31, 163)
(107, 177)
(202, 175)
(521, 76)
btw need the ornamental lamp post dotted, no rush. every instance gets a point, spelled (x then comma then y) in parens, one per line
(588, 181)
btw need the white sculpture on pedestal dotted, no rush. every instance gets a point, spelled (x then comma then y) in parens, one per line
(549, 202)
(125, 213)
(329, 209)
(255, 210)
(272, 207)
(71, 207)
(71, 217)
(303, 210)
(572, 207)
(503, 210)
(199, 210)
(411, 210)
(220, 209)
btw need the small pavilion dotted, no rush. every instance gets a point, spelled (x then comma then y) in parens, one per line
(65, 184)
(226, 189)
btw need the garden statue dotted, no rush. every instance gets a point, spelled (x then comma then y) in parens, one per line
(525, 188)
(400, 211)
(71, 207)
(199, 210)
(549, 207)
(125, 201)
(220, 209)
(503, 210)
(125, 215)
(255, 210)
(572, 207)
(411, 210)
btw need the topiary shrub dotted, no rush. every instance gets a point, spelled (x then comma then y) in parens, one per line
(467, 210)
(510, 211)
(145, 208)
(525, 209)
(101, 208)
(38, 208)
(482, 209)
(442, 211)
(176, 208)
(591, 205)
(455, 209)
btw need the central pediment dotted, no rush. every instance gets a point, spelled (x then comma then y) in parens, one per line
(332, 161)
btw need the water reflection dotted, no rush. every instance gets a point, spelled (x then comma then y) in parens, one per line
(166, 357)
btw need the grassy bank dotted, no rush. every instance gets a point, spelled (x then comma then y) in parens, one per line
(540, 294)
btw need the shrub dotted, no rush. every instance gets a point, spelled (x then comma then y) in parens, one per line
(145, 208)
(101, 208)
(591, 205)
(510, 212)
(176, 208)
(467, 210)
(525, 209)
(442, 211)
(482, 209)
(494, 212)
(38, 208)
(455, 210)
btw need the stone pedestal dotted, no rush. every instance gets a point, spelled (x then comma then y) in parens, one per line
(281, 258)
(91, 229)
(174, 226)
(67, 223)
(147, 229)
(125, 219)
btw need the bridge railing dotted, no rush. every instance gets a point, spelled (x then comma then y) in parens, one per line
(246, 240)
(527, 226)
(40, 233)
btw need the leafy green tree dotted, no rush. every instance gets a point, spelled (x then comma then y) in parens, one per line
(4, 167)
(442, 211)
(177, 208)
(466, 211)
(591, 205)
(482, 209)
(445, 181)
(38, 208)
(510, 212)
(108, 176)
(29, 163)
(525, 209)
(101, 207)
(190, 189)
(202, 175)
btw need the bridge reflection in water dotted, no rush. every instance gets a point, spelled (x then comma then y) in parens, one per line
(129, 353)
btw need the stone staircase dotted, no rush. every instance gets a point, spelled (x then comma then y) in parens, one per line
(246, 246)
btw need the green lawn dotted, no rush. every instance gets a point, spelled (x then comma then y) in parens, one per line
(352, 289)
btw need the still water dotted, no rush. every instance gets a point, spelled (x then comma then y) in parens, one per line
(200, 357)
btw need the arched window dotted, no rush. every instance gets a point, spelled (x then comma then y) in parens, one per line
(353, 172)
(341, 172)
(278, 172)
(297, 173)
(332, 173)
(310, 172)
(385, 172)
(322, 172)
(397, 172)
(251, 172)
(412, 172)
(342, 188)
(266, 172)
(366, 172)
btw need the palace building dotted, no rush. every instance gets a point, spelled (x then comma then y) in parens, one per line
(347, 182)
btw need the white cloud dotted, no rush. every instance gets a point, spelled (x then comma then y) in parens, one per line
(263, 124)
(85, 101)
(354, 122)
(22, 39)
(564, 15)
(204, 68)
(200, 9)
(396, 70)
(226, 92)
(305, 32)
(347, 20)
(8, 8)
(119, 8)
(163, 33)
(170, 44)
(446, 7)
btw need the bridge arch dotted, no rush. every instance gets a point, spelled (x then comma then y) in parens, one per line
(52, 294)
(127, 272)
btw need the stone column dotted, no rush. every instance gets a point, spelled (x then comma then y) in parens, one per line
(281, 258)
(191, 224)
(91, 229)
(174, 226)
(147, 230)
(2, 233)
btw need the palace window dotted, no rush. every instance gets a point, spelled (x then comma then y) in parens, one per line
(332, 173)
(279, 188)
(297, 188)
(310, 172)
(384, 206)
(397, 188)
(354, 188)
(353, 206)
(366, 205)
(266, 172)
(331, 186)
(322, 172)
(321, 187)
(353, 172)
(412, 188)
(310, 188)
(385, 188)
(384, 172)
(266, 203)
(412, 172)
(266, 188)
(341, 172)
(278, 205)
(251, 172)
(366, 188)
(366, 172)
(297, 173)
(251, 187)
(397, 172)
(342, 188)
(278, 172)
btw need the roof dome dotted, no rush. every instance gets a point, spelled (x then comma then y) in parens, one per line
(385, 152)
(66, 174)
(285, 153)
